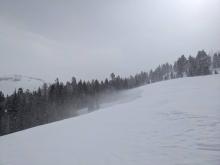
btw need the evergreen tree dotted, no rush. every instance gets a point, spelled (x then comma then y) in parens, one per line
(2, 97)
(216, 60)
(203, 63)
(112, 76)
(181, 65)
(192, 67)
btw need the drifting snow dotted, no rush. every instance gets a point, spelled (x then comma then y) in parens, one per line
(10, 83)
(173, 122)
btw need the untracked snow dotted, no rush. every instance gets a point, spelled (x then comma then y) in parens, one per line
(174, 122)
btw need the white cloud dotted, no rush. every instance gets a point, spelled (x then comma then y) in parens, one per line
(94, 38)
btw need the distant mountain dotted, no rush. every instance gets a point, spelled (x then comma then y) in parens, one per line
(9, 83)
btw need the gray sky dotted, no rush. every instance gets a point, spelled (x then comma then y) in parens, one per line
(92, 38)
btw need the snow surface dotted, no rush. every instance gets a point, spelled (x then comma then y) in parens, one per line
(9, 83)
(174, 122)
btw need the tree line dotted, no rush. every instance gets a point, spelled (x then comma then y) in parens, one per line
(57, 101)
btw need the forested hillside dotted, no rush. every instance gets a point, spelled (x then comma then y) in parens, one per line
(57, 101)
(171, 123)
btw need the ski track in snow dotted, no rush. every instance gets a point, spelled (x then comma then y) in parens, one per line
(174, 122)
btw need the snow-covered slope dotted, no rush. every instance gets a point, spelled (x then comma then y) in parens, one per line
(9, 83)
(174, 122)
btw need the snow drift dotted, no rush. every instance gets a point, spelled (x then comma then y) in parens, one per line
(172, 122)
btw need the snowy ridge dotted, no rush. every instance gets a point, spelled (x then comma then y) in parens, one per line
(172, 122)
(9, 83)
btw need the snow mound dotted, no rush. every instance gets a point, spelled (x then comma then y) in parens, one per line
(9, 83)
(172, 122)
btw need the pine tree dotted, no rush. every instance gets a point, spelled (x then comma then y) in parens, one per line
(181, 66)
(112, 76)
(216, 60)
(2, 97)
(203, 63)
(191, 70)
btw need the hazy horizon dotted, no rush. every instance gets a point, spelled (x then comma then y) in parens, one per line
(91, 39)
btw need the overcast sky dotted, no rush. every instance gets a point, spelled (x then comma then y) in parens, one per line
(92, 38)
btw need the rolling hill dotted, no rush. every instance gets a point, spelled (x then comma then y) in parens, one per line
(171, 122)
(9, 83)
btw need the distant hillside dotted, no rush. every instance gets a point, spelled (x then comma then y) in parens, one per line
(9, 83)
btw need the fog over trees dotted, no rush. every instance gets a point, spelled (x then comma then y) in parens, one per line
(57, 101)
